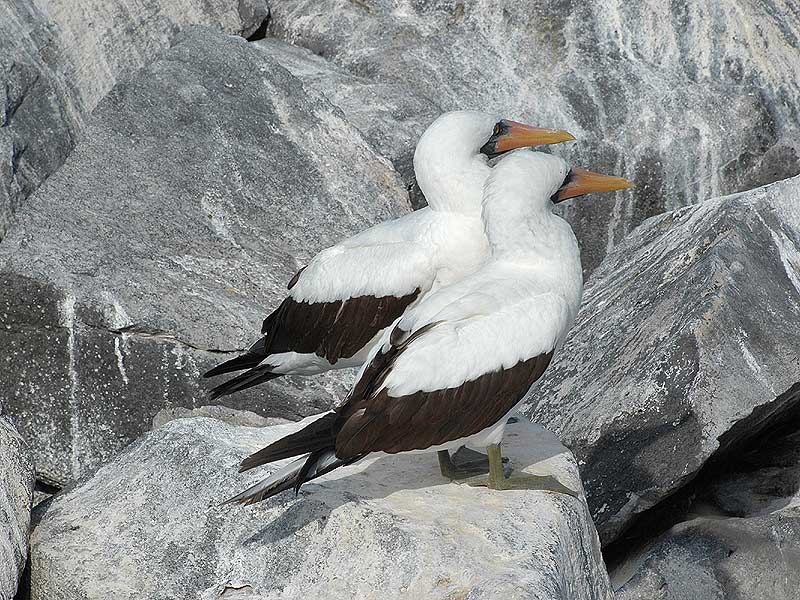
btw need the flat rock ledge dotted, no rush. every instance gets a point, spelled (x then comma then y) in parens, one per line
(150, 525)
(16, 493)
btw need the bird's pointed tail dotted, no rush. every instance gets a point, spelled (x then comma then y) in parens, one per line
(241, 382)
(292, 476)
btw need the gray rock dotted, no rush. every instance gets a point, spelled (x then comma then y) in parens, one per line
(59, 58)
(685, 347)
(689, 100)
(201, 186)
(740, 537)
(150, 525)
(391, 116)
(720, 559)
(16, 495)
(40, 113)
(244, 418)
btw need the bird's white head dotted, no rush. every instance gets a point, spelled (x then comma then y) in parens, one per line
(525, 181)
(450, 161)
(522, 189)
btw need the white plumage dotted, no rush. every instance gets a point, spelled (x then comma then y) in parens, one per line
(453, 367)
(398, 261)
(519, 305)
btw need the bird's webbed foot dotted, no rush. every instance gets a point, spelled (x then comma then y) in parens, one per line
(501, 477)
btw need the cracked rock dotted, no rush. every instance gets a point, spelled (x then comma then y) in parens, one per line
(150, 524)
(685, 348)
(16, 495)
(201, 186)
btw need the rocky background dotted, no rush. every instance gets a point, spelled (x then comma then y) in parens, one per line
(165, 167)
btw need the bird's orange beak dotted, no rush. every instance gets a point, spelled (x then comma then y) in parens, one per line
(581, 181)
(520, 135)
(510, 135)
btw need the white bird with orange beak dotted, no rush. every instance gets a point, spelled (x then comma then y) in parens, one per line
(340, 303)
(454, 367)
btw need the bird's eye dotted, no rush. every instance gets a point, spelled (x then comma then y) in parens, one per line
(497, 129)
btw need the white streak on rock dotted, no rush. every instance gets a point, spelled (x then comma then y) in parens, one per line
(67, 314)
(120, 360)
(753, 364)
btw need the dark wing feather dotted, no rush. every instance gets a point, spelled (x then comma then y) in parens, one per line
(382, 423)
(332, 330)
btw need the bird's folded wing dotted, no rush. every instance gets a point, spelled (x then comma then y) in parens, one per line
(449, 380)
(345, 296)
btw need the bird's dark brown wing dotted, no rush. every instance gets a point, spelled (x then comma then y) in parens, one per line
(371, 421)
(331, 330)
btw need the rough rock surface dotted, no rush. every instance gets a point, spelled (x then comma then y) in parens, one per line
(16, 494)
(58, 59)
(685, 347)
(722, 559)
(689, 100)
(201, 186)
(742, 537)
(227, 415)
(391, 116)
(389, 527)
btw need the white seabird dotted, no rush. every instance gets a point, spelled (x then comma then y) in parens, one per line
(339, 304)
(452, 369)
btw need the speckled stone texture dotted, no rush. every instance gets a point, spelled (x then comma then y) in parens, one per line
(391, 116)
(685, 347)
(149, 525)
(16, 495)
(202, 185)
(690, 100)
(59, 58)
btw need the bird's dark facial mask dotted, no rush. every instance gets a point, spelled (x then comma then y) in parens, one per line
(579, 182)
(510, 135)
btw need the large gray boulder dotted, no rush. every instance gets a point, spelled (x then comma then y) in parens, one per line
(685, 348)
(150, 525)
(59, 58)
(16, 495)
(201, 186)
(721, 559)
(689, 100)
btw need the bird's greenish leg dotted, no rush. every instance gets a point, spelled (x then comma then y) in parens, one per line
(498, 480)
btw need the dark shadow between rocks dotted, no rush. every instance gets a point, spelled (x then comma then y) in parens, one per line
(24, 587)
(755, 470)
(261, 31)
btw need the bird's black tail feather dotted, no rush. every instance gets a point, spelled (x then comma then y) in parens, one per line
(240, 363)
(243, 381)
(292, 476)
(314, 437)
(250, 359)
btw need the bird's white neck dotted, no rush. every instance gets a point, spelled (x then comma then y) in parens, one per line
(518, 232)
(452, 180)
(520, 224)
